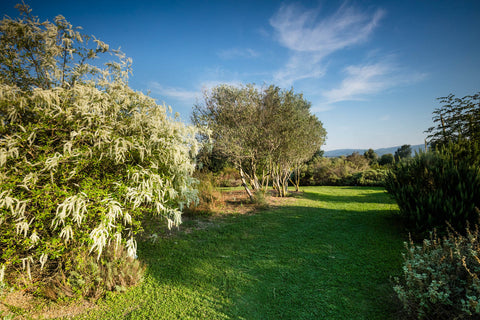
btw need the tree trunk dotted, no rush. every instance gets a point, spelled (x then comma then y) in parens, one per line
(244, 183)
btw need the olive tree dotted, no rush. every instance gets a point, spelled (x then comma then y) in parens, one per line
(265, 133)
(83, 157)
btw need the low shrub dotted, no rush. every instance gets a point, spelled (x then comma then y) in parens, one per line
(84, 276)
(228, 177)
(208, 195)
(436, 187)
(440, 277)
(260, 200)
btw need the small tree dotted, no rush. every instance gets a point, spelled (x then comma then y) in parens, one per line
(404, 152)
(357, 161)
(371, 156)
(458, 119)
(386, 159)
(265, 134)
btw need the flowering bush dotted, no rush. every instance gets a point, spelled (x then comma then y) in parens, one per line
(82, 156)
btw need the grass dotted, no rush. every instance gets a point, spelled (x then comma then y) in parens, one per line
(329, 254)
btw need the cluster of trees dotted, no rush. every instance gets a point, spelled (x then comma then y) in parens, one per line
(265, 133)
(83, 157)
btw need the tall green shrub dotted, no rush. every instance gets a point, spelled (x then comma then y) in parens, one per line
(436, 187)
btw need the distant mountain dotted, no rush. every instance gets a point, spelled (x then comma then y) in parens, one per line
(380, 152)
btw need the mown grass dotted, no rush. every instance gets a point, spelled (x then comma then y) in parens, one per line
(330, 254)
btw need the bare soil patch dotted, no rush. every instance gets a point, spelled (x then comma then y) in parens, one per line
(23, 305)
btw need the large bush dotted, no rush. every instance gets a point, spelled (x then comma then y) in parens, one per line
(436, 187)
(440, 278)
(83, 157)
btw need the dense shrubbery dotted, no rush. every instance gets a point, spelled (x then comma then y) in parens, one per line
(353, 170)
(437, 187)
(441, 277)
(441, 188)
(370, 177)
(83, 157)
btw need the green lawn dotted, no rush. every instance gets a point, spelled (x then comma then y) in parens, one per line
(330, 254)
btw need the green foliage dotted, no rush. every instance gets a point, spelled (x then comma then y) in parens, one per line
(83, 157)
(404, 152)
(371, 156)
(264, 133)
(208, 195)
(386, 159)
(260, 200)
(436, 187)
(228, 177)
(370, 177)
(440, 278)
(353, 170)
(458, 119)
(84, 276)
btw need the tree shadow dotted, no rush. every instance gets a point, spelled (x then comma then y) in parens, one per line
(294, 262)
(366, 197)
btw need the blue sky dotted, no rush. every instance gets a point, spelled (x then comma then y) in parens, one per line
(372, 69)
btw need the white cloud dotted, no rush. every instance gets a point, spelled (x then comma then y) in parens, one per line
(238, 53)
(175, 93)
(311, 39)
(361, 80)
(369, 79)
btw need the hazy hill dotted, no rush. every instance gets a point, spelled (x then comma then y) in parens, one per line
(380, 152)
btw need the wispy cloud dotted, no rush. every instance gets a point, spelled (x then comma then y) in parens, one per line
(310, 38)
(370, 78)
(235, 53)
(175, 93)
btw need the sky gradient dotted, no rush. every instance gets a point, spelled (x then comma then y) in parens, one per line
(372, 69)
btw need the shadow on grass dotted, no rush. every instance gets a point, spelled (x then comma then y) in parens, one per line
(294, 262)
(370, 195)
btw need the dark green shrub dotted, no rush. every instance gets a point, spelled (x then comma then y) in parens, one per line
(440, 278)
(436, 187)
(386, 159)
(369, 177)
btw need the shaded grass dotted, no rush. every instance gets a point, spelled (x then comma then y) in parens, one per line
(330, 254)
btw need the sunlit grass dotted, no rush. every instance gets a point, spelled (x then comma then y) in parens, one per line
(330, 254)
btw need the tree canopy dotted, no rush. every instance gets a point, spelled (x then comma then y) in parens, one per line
(458, 119)
(404, 152)
(264, 132)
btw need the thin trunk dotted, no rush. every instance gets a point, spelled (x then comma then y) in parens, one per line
(244, 184)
